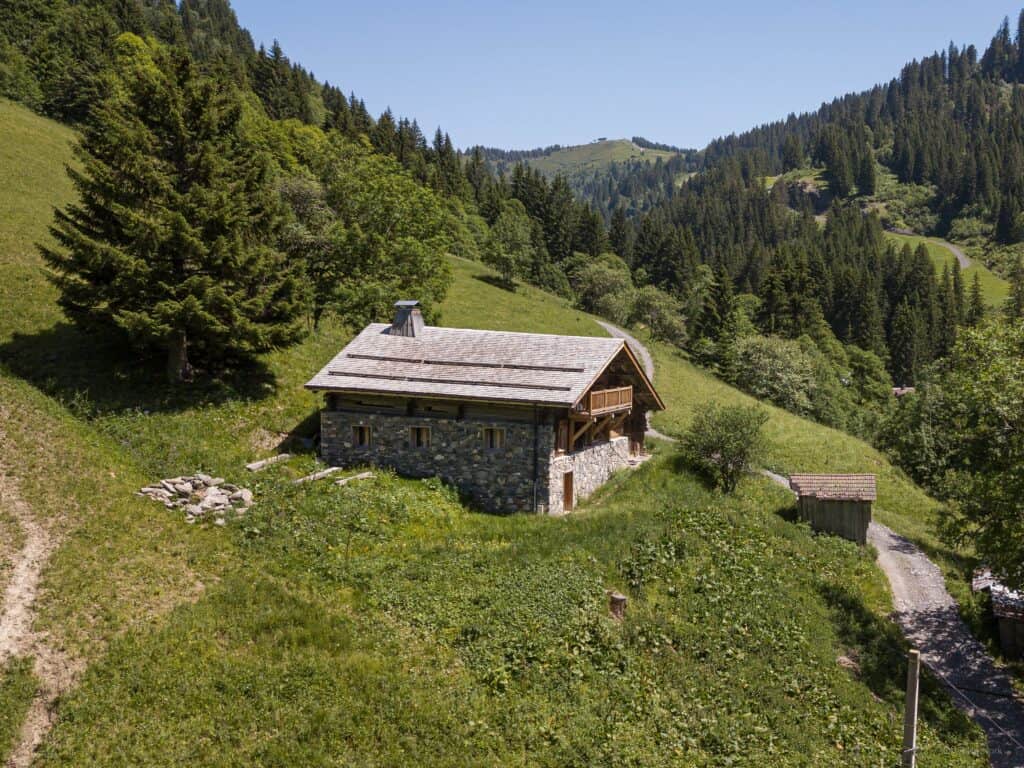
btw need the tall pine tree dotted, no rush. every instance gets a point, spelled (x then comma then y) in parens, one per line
(174, 239)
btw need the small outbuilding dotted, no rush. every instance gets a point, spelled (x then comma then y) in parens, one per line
(1008, 609)
(839, 504)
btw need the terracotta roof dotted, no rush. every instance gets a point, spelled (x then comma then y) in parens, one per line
(459, 363)
(835, 487)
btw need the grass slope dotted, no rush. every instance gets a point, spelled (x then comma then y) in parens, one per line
(993, 288)
(596, 156)
(383, 622)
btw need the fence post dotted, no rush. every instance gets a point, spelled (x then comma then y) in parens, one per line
(910, 711)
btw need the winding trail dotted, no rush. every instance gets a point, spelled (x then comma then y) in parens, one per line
(55, 671)
(930, 620)
(641, 352)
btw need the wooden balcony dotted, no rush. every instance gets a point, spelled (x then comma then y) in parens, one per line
(601, 401)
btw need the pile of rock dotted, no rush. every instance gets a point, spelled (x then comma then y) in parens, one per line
(201, 496)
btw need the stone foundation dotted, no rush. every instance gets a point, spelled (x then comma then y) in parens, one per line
(497, 480)
(591, 468)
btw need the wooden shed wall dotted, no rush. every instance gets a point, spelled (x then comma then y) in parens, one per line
(848, 519)
(1011, 637)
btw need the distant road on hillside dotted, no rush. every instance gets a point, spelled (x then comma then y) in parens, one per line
(962, 257)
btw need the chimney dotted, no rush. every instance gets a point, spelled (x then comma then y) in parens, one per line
(408, 319)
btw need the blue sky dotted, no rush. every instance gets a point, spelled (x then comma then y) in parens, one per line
(530, 73)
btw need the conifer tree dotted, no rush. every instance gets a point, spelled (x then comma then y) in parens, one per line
(174, 239)
(866, 181)
(906, 345)
(959, 305)
(1015, 301)
(976, 305)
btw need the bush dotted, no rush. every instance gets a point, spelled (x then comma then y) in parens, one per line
(724, 442)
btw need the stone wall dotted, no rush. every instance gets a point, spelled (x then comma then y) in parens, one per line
(497, 480)
(591, 468)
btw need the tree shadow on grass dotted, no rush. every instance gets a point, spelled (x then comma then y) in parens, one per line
(496, 281)
(882, 656)
(95, 373)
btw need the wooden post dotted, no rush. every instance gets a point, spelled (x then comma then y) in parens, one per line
(617, 604)
(910, 711)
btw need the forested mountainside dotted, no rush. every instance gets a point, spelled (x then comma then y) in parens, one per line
(609, 173)
(951, 121)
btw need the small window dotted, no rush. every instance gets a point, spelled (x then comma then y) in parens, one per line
(562, 440)
(361, 436)
(419, 437)
(494, 438)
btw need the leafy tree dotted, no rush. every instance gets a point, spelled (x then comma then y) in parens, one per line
(389, 238)
(724, 442)
(174, 239)
(661, 313)
(510, 248)
(777, 370)
(605, 287)
(984, 429)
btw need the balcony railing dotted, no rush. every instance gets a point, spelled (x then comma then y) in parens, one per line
(602, 401)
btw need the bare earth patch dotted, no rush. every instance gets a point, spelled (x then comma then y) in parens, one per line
(55, 670)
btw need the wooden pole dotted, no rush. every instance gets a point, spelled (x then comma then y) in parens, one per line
(910, 712)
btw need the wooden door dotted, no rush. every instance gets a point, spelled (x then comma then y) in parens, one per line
(567, 492)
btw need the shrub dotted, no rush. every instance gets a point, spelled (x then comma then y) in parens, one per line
(724, 442)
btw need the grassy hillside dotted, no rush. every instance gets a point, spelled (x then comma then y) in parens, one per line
(385, 623)
(596, 156)
(994, 288)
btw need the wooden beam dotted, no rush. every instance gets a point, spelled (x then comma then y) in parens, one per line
(599, 427)
(579, 432)
(618, 420)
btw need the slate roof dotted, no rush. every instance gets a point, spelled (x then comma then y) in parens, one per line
(1006, 603)
(458, 363)
(835, 487)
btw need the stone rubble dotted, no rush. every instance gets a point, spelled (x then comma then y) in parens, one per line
(201, 497)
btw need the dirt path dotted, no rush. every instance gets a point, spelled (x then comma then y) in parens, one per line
(54, 670)
(646, 360)
(931, 622)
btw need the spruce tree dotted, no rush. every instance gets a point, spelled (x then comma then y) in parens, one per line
(174, 238)
(866, 181)
(1015, 301)
(959, 305)
(976, 305)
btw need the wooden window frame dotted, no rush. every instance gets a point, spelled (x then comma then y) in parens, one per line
(357, 433)
(491, 444)
(414, 435)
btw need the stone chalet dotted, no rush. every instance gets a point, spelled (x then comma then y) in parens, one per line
(516, 421)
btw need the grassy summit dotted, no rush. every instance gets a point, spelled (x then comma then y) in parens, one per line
(598, 155)
(384, 623)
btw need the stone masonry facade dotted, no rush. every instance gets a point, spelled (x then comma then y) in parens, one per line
(496, 479)
(591, 468)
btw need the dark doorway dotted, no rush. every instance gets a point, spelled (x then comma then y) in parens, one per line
(567, 492)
